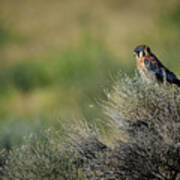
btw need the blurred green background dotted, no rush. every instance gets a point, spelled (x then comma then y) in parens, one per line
(57, 57)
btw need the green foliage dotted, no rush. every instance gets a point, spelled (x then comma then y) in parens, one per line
(87, 62)
(12, 132)
(75, 67)
(28, 76)
(83, 71)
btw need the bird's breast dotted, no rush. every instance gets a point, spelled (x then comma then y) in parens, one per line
(140, 63)
(142, 69)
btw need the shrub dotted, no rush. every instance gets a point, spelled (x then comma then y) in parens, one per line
(41, 157)
(147, 115)
(12, 131)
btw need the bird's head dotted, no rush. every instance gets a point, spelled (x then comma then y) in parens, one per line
(141, 51)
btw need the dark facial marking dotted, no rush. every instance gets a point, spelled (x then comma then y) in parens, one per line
(142, 49)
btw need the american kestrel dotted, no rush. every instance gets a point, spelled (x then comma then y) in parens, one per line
(150, 68)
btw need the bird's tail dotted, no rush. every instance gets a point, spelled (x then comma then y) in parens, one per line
(177, 81)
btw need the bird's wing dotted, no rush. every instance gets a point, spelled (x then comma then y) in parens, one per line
(160, 71)
(155, 68)
(170, 76)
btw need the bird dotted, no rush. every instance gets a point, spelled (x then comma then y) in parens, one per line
(151, 69)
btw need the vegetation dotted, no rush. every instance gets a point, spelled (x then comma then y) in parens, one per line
(62, 114)
(146, 146)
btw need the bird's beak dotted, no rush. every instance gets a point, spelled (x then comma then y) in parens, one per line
(134, 54)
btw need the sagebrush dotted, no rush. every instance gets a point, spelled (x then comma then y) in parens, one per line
(146, 115)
